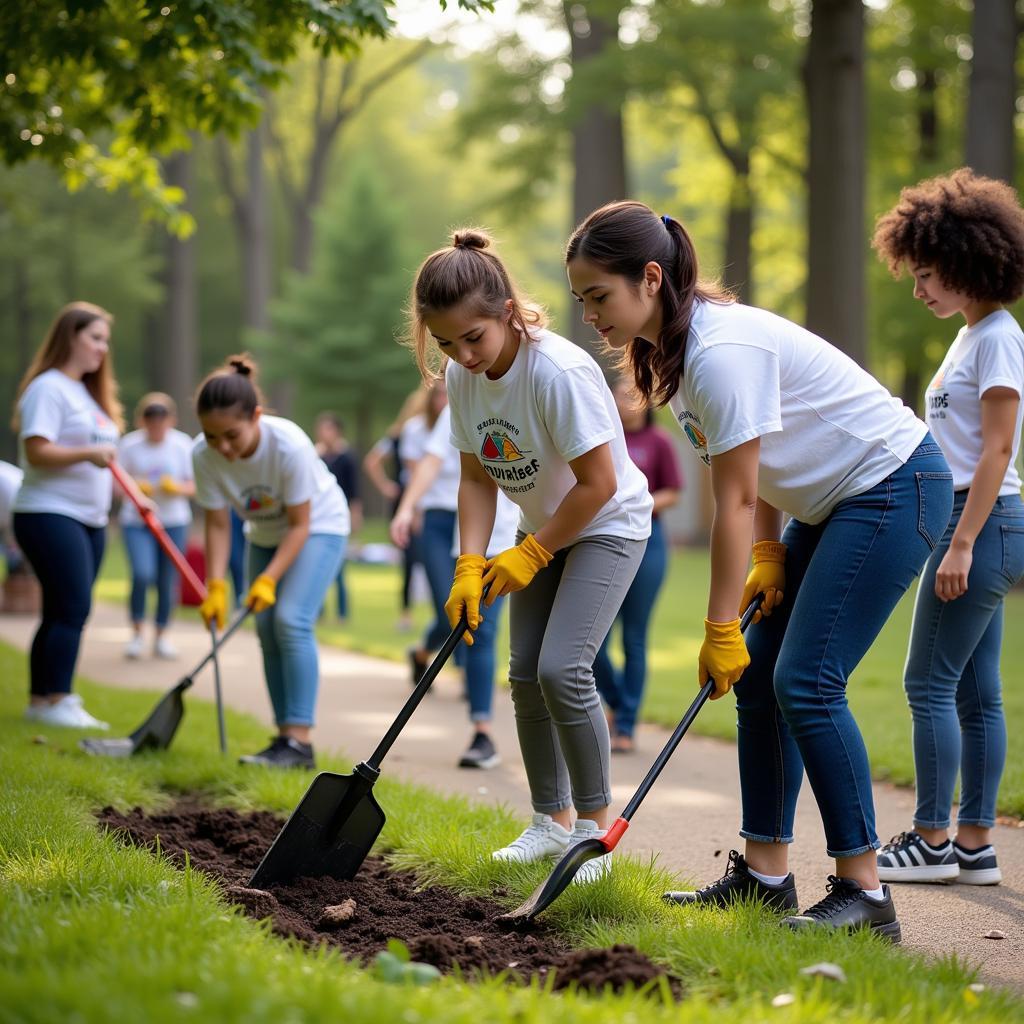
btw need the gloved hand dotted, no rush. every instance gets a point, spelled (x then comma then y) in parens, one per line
(262, 594)
(215, 605)
(515, 567)
(723, 656)
(467, 586)
(145, 486)
(767, 577)
(169, 485)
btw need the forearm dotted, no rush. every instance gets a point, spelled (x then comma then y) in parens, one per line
(663, 499)
(731, 537)
(287, 551)
(47, 455)
(984, 489)
(577, 510)
(767, 521)
(186, 488)
(478, 501)
(218, 545)
(422, 477)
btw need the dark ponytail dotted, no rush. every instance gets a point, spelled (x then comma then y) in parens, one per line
(622, 238)
(231, 385)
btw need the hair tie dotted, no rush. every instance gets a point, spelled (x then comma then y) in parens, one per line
(666, 220)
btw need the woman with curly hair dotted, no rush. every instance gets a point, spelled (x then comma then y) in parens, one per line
(961, 237)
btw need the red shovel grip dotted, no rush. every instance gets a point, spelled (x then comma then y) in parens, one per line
(127, 484)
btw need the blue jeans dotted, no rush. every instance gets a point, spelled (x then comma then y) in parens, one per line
(952, 674)
(623, 691)
(342, 591)
(236, 559)
(844, 577)
(65, 555)
(435, 553)
(152, 568)
(285, 629)
(479, 664)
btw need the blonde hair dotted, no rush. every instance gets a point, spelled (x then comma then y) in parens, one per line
(154, 398)
(460, 272)
(55, 351)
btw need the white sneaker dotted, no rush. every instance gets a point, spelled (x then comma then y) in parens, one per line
(544, 838)
(133, 649)
(599, 866)
(32, 712)
(68, 713)
(163, 648)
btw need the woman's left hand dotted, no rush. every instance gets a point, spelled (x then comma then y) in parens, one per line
(514, 568)
(951, 576)
(262, 594)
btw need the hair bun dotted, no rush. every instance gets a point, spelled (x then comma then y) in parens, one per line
(470, 238)
(242, 365)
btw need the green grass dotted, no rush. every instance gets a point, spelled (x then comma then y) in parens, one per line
(92, 931)
(876, 690)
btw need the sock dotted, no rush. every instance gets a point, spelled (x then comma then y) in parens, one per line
(936, 847)
(767, 879)
(875, 894)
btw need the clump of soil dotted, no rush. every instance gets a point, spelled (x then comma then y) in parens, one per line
(439, 926)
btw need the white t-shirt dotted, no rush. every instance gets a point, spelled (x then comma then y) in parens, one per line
(146, 461)
(412, 438)
(828, 429)
(61, 410)
(550, 407)
(989, 354)
(10, 481)
(444, 490)
(284, 470)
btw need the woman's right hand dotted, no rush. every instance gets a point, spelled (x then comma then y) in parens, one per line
(215, 605)
(101, 455)
(467, 589)
(401, 526)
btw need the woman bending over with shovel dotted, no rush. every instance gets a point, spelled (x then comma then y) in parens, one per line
(786, 423)
(296, 519)
(532, 415)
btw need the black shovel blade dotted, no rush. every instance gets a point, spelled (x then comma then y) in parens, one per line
(556, 883)
(155, 733)
(330, 833)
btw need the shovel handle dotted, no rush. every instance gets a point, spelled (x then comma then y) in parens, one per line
(127, 484)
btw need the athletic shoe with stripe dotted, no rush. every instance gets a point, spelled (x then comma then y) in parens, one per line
(908, 858)
(978, 867)
(543, 838)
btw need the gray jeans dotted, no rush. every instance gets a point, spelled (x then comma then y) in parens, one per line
(557, 625)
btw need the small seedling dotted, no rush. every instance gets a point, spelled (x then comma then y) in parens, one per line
(395, 966)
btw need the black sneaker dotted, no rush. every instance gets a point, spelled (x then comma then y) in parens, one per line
(977, 867)
(283, 752)
(418, 667)
(481, 753)
(847, 905)
(737, 884)
(908, 858)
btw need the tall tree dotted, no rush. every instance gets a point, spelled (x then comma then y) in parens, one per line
(836, 249)
(993, 94)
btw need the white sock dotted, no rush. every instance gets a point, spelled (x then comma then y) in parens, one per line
(875, 894)
(767, 879)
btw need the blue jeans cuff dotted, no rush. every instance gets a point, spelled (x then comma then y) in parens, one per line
(855, 852)
(755, 838)
(976, 822)
(933, 824)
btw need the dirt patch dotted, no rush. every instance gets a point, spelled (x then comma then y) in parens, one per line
(439, 926)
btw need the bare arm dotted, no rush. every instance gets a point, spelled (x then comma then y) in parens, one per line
(478, 500)
(734, 484)
(767, 521)
(46, 455)
(667, 497)
(595, 484)
(373, 464)
(217, 527)
(424, 474)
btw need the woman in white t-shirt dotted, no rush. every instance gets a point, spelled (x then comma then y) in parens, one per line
(159, 458)
(296, 519)
(974, 410)
(787, 424)
(68, 420)
(532, 415)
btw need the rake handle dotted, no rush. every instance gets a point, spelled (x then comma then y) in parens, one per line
(221, 732)
(127, 484)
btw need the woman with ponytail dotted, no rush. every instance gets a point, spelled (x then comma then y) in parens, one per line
(786, 424)
(532, 415)
(296, 519)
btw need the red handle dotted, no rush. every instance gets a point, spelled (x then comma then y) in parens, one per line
(614, 833)
(127, 484)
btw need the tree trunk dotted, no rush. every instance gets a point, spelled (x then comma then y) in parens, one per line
(991, 104)
(834, 80)
(736, 274)
(176, 358)
(598, 148)
(255, 232)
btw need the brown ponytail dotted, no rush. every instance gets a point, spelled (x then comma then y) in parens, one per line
(230, 385)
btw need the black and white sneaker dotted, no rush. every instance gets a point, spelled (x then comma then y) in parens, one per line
(908, 858)
(977, 867)
(283, 752)
(738, 884)
(481, 753)
(847, 905)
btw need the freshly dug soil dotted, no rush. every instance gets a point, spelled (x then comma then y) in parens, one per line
(439, 926)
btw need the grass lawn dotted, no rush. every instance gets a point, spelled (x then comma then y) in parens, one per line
(92, 931)
(876, 691)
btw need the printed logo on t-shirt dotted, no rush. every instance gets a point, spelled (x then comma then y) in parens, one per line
(259, 502)
(504, 459)
(938, 403)
(691, 428)
(103, 431)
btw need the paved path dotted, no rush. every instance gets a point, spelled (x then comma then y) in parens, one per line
(691, 813)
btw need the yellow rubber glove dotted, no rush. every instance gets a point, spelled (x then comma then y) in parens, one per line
(215, 605)
(515, 567)
(723, 656)
(767, 577)
(467, 586)
(169, 485)
(145, 486)
(262, 594)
